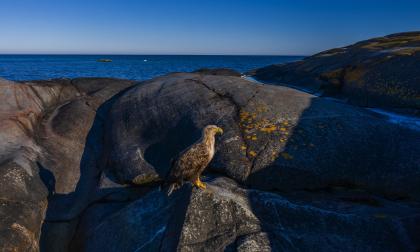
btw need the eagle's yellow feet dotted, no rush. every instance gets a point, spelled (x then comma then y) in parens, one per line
(199, 184)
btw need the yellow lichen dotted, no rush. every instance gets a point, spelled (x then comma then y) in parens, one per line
(268, 129)
(252, 153)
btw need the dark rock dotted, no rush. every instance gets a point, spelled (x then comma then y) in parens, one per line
(380, 72)
(275, 137)
(226, 216)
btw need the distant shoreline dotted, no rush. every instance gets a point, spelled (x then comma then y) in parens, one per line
(198, 55)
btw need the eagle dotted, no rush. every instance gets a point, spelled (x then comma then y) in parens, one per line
(193, 160)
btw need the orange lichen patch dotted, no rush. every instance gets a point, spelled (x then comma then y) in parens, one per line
(249, 126)
(243, 147)
(286, 156)
(252, 153)
(268, 129)
(243, 115)
(253, 124)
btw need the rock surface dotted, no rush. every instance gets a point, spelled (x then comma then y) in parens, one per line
(226, 217)
(275, 137)
(379, 72)
(81, 162)
(43, 129)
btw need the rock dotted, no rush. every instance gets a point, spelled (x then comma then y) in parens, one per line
(379, 72)
(81, 164)
(226, 217)
(218, 71)
(275, 137)
(43, 129)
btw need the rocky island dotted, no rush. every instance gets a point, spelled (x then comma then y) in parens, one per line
(82, 160)
(379, 72)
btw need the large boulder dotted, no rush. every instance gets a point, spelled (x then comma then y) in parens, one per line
(275, 137)
(43, 129)
(379, 72)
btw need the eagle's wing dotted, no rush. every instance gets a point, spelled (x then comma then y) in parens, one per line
(188, 166)
(190, 162)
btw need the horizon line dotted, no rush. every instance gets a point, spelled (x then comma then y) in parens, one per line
(151, 54)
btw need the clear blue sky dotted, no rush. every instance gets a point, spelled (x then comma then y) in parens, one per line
(290, 27)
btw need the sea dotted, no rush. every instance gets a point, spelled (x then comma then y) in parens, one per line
(133, 67)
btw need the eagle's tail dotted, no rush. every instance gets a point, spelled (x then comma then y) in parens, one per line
(172, 187)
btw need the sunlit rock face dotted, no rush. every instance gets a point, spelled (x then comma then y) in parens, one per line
(43, 130)
(379, 72)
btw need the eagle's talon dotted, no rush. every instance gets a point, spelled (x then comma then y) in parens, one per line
(203, 186)
(199, 184)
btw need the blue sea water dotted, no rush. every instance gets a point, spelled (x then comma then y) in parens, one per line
(135, 67)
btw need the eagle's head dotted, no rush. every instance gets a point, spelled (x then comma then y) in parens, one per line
(211, 130)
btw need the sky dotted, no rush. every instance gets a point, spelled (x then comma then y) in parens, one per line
(249, 27)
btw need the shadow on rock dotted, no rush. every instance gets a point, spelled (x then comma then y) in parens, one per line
(176, 139)
(64, 209)
(151, 223)
(309, 196)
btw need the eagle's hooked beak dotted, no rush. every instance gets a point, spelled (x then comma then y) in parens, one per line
(219, 130)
